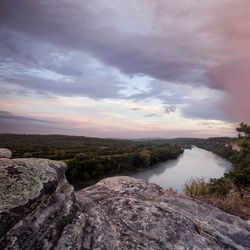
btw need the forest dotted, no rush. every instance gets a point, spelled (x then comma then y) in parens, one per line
(86, 167)
(90, 159)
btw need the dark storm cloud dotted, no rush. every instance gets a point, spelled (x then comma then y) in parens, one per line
(79, 26)
(45, 68)
(17, 63)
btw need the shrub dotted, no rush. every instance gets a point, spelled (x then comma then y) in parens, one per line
(232, 200)
(196, 188)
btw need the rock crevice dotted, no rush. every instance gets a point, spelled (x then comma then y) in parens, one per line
(40, 210)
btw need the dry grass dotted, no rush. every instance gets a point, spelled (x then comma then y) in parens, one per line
(236, 202)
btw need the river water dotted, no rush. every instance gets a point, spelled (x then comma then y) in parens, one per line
(193, 163)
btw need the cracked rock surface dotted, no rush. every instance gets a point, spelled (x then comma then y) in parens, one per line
(40, 210)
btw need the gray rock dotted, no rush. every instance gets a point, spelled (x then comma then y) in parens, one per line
(127, 213)
(40, 210)
(5, 153)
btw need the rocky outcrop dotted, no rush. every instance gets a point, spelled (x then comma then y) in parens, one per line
(40, 210)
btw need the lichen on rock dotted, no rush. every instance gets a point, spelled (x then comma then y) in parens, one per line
(22, 180)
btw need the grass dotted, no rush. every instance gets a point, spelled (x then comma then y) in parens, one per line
(236, 202)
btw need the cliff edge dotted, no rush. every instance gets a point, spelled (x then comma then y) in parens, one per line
(40, 210)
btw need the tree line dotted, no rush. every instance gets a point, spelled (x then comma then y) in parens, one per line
(86, 167)
(89, 158)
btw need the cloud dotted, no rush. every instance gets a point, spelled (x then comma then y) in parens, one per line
(11, 123)
(7, 115)
(206, 110)
(234, 78)
(89, 86)
(156, 49)
(53, 70)
(79, 48)
(150, 115)
(170, 109)
(233, 75)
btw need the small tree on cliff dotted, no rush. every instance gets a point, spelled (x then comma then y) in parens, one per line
(244, 130)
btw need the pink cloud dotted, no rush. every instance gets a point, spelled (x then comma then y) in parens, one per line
(233, 76)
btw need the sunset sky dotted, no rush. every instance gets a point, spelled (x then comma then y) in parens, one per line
(124, 69)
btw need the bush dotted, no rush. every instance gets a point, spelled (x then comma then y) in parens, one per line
(196, 188)
(232, 200)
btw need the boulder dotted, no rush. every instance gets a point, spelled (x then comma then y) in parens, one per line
(127, 213)
(40, 210)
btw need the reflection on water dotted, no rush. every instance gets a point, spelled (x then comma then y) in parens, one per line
(194, 163)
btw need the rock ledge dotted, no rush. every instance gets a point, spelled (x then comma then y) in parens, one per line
(40, 210)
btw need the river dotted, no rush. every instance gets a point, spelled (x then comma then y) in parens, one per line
(193, 163)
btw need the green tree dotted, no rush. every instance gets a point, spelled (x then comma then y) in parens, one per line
(144, 157)
(244, 130)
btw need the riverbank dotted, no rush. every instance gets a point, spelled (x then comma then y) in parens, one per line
(117, 165)
(193, 163)
(80, 185)
(231, 192)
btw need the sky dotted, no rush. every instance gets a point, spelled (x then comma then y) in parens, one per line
(124, 69)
